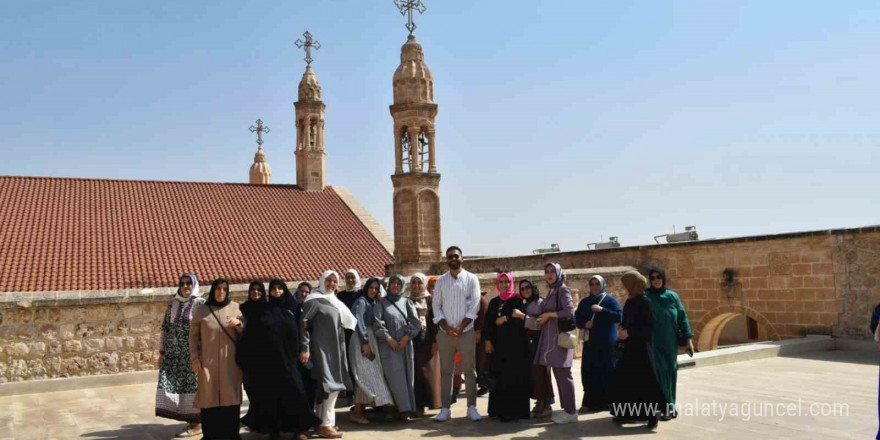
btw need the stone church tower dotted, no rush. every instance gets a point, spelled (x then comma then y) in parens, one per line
(260, 173)
(415, 179)
(311, 171)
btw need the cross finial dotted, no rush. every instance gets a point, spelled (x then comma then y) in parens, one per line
(308, 44)
(259, 129)
(406, 8)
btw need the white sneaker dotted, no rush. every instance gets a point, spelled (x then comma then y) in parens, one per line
(564, 417)
(473, 414)
(444, 415)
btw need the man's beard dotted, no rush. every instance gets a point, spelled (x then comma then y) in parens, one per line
(454, 265)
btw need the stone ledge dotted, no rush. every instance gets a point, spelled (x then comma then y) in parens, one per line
(569, 273)
(760, 350)
(11, 300)
(77, 383)
(701, 242)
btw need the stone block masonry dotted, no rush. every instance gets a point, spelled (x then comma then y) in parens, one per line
(64, 334)
(823, 282)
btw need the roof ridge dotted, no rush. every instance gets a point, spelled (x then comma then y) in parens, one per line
(185, 182)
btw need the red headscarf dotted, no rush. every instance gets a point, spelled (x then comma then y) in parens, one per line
(431, 282)
(511, 291)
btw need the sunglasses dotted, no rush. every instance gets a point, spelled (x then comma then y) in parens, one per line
(453, 257)
(655, 277)
(186, 283)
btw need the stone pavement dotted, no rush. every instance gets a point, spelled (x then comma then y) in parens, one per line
(843, 377)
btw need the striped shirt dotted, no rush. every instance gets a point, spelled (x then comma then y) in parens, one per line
(456, 298)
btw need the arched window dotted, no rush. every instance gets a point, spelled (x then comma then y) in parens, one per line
(405, 149)
(424, 151)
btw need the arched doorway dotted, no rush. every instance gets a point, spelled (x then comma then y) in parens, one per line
(729, 325)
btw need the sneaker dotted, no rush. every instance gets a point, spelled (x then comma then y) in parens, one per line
(564, 417)
(547, 411)
(473, 414)
(444, 415)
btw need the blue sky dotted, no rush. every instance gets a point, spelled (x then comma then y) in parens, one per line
(562, 122)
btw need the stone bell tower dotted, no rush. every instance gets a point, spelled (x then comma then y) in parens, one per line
(415, 179)
(311, 171)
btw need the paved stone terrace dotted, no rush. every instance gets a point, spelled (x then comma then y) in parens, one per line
(847, 377)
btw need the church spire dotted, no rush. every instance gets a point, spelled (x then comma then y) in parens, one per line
(310, 153)
(260, 173)
(415, 179)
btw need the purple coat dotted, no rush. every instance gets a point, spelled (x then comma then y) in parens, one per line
(549, 353)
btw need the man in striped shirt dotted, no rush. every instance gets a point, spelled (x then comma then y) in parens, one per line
(456, 302)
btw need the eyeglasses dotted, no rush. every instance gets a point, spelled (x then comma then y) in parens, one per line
(453, 257)
(656, 277)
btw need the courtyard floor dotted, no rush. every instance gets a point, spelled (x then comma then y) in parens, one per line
(802, 388)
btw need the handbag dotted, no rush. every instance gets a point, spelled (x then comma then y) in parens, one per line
(682, 340)
(487, 380)
(565, 339)
(618, 348)
(619, 345)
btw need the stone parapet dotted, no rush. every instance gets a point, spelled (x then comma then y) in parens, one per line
(65, 334)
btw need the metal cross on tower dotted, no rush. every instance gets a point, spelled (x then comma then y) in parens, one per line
(308, 44)
(259, 129)
(406, 8)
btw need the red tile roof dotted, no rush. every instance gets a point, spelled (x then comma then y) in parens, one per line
(95, 234)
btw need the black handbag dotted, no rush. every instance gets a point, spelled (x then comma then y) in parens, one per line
(487, 380)
(618, 348)
(682, 340)
(564, 324)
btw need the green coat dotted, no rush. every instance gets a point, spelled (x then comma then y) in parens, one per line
(669, 317)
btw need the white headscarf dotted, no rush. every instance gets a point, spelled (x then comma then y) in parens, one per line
(195, 289)
(601, 283)
(320, 292)
(357, 279)
(182, 306)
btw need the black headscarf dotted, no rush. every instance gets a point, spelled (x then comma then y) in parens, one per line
(366, 288)
(261, 287)
(535, 293)
(286, 300)
(212, 301)
(662, 274)
(252, 307)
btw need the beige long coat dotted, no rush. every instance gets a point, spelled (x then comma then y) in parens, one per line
(220, 376)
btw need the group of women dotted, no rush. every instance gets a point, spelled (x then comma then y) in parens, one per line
(295, 353)
(629, 356)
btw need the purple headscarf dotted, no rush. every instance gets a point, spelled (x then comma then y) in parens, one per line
(560, 277)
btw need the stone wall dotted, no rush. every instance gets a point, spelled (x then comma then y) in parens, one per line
(823, 282)
(63, 334)
(793, 284)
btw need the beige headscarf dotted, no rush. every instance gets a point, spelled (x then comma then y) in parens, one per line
(634, 282)
(415, 296)
(420, 299)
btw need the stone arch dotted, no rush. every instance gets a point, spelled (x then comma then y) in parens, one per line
(405, 223)
(709, 329)
(429, 220)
